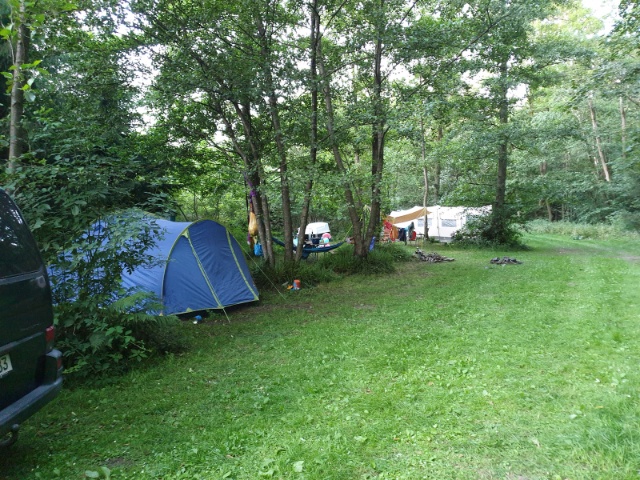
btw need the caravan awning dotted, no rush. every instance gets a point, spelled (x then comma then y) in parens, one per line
(401, 216)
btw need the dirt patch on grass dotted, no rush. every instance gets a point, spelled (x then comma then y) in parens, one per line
(364, 307)
(570, 251)
(118, 462)
(266, 308)
(630, 258)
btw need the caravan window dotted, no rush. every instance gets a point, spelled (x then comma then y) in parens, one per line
(429, 222)
(421, 223)
(449, 222)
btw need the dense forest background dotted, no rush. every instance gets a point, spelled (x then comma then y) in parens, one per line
(318, 110)
(300, 111)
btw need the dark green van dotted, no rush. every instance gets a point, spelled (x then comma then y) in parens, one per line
(30, 368)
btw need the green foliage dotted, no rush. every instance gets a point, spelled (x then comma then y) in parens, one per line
(579, 231)
(452, 371)
(485, 231)
(102, 327)
(163, 335)
(85, 164)
(380, 260)
(331, 266)
(59, 210)
(310, 273)
(102, 341)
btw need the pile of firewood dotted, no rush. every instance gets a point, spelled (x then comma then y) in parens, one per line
(431, 257)
(505, 261)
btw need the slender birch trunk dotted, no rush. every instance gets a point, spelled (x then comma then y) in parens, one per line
(314, 38)
(16, 133)
(623, 128)
(279, 138)
(436, 171)
(425, 199)
(337, 155)
(601, 157)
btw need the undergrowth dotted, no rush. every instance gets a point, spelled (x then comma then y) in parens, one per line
(579, 231)
(330, 266)
(459, 370)
(485, 232)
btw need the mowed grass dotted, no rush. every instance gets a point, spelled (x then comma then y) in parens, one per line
(461, 370)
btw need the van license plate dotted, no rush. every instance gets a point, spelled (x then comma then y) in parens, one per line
(5, 365)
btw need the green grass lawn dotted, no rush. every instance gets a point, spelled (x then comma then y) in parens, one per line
(461, 370)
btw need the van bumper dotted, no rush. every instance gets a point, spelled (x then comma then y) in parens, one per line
(12, 416)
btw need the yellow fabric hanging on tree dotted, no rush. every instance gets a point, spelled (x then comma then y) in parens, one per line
(253, 224)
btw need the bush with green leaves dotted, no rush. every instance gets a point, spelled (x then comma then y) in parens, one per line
(579, 231)
(489, 231)
(64, 186)
(380, 260)
(101, 324)
(308, 271)
(329, 266)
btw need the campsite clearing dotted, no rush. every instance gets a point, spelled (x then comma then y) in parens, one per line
(475, 371)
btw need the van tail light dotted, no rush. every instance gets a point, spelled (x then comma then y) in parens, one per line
(50, 336)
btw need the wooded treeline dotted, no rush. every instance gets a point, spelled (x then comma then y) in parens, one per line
(328, 110)
(318, 110)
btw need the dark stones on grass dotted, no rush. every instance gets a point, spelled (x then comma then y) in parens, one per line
(431, 257)
(505, 261)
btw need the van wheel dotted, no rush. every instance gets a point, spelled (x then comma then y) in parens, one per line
(10, 438)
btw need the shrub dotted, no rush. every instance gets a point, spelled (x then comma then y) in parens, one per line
(308, 271)
(627, 221)
(330, 266)
(381, 259)
(485, 231)
(167, 335)
(103, 327)
(98, 341)
(600, 231)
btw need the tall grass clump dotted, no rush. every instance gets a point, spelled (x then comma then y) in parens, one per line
(601, 231)
(481, 231)
(330, 266)
(381, 260)
(308, 271)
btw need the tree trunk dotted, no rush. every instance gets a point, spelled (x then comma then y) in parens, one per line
(195, 205)
(623, 128)
(363, 233)
(425, 202)
(253, 167)
(377, 150)
(603, 160)
(499, 205)
(425, 198)
(543, 172)
(337, 155)
(314, 38)
(549, 210)
(437, 170)
(282, 152)
(16, 133)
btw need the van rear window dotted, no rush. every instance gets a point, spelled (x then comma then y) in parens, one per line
(18, 251)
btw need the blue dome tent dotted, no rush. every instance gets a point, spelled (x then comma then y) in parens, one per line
(198, 266)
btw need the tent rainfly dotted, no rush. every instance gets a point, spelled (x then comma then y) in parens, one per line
(198, 266)
(442, 222)
(405, 216)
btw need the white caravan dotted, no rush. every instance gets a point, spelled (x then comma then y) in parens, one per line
(443, 222)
